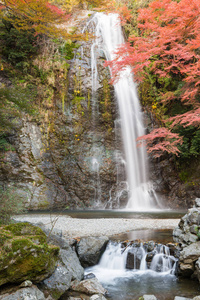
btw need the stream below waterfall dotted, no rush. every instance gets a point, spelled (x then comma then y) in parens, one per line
(120, 282)
(128, 272)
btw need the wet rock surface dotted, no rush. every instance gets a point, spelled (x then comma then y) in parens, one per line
(188, 229)
(74, 158)
(188, 257)
(90, 249)
(88, 286)
(187, 234)
(58, 283)
(149, 297)
(174, 192)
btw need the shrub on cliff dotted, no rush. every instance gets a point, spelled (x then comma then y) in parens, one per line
(164, 54)
(10, 203)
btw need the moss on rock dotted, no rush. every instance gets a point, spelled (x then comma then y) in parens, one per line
(25, 254)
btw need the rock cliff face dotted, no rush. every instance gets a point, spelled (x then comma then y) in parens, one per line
(72, 159)
(72, 155)
(176, 191)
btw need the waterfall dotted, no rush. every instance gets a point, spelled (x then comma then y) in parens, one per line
(134, 260)
(109, 36)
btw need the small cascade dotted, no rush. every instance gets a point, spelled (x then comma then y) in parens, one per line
(135, 259)
(162, 260)
(129, 270)
(113, 257)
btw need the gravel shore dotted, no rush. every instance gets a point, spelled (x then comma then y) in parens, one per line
(74, 228)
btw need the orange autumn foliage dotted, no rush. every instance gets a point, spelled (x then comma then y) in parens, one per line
(168, 46)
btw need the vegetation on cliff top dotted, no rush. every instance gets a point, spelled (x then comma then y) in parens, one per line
(163, 52)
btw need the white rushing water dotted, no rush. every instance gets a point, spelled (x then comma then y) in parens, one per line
(133, 261)
(109, 36)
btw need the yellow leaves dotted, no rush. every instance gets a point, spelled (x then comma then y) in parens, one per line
(69, 4)
(77, 92)
(76, 137)
(37, 15)
(154, 106)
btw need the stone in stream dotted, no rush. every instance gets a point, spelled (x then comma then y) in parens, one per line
(97, 297)
(150, 246)
(90, 249)
(84, 297)
(181, 298)
(197, 202)
(89, 287)
(134, 258)
(149, 297)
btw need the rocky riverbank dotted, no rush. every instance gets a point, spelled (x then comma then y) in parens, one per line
(73, 227)
(81, 243)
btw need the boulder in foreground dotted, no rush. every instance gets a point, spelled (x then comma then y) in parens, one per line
(25, 254)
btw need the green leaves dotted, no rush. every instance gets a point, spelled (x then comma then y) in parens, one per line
(11, 203)
(13, 102)
(17, 45)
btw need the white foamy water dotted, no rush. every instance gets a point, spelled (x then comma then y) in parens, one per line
(113, 263)
(141, 193)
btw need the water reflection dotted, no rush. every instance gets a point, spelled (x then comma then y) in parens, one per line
(162, 236)
(99, 214)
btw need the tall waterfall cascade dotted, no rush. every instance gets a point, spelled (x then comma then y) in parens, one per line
(109, 36)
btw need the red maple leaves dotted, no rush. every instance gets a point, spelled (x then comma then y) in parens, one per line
(169, 47)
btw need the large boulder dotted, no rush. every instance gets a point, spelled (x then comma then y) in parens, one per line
(90, 249)
(29, 293)
(71, 262)
(68, 269)
(58, 283)
(25, 254)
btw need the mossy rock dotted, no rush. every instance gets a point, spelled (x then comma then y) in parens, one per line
(25, 254)
(24, 228)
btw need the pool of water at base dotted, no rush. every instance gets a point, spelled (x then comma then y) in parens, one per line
(133, 285)
(162, 236)
(130, 285)
(126, 214)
